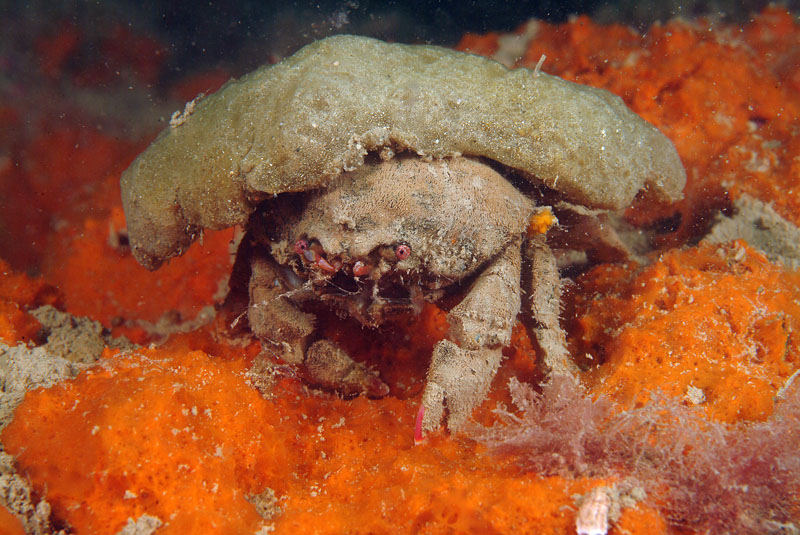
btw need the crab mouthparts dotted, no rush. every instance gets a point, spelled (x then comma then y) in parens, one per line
(320, 261)
(388, 289)
(370, 300)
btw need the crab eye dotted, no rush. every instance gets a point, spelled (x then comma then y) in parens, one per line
(300, 246)
(402, 251)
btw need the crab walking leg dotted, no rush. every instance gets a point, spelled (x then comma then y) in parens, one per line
(275, 319)
(460, 373)
(542, 288)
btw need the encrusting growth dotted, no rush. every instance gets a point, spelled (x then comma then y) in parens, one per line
(296, 125)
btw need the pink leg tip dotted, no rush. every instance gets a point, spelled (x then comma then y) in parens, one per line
(418, 438)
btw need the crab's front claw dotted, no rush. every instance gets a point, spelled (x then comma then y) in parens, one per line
(458, 380)
(329, 366)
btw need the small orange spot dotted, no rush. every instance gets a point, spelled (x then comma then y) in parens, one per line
(541, 222)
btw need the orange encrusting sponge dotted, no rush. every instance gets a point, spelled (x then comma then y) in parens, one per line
(721, 319)
(185, 438)
(541, 222)
(18, 293)
(178, 436)
(9, 524)
(183, 285)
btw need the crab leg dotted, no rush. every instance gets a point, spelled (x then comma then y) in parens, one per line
(542, 287)
(273, 316)
(462, 370)
(275, 319)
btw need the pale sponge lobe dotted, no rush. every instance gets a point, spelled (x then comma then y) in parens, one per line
(295, 125)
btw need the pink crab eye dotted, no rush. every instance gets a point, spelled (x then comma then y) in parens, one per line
(300, 246)
(402, 251)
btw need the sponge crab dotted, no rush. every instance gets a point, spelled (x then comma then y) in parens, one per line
(373, 177)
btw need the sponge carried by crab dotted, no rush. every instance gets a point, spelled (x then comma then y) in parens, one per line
(296, 125)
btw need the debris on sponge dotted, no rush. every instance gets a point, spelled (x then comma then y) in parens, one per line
(73, 338)
(757, 223)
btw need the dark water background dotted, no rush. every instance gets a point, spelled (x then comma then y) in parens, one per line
(209, 33)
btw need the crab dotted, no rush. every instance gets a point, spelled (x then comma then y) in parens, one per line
(372, 178)
(383, 240)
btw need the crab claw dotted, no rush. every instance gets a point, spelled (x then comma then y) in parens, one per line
(458, 380)
(331, 367)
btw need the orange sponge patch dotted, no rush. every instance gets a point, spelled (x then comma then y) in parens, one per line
(717, 325)
(18, 292)
(183, 437)
(541, 222)
(128, 290)
(179, 437)
(9, 524)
